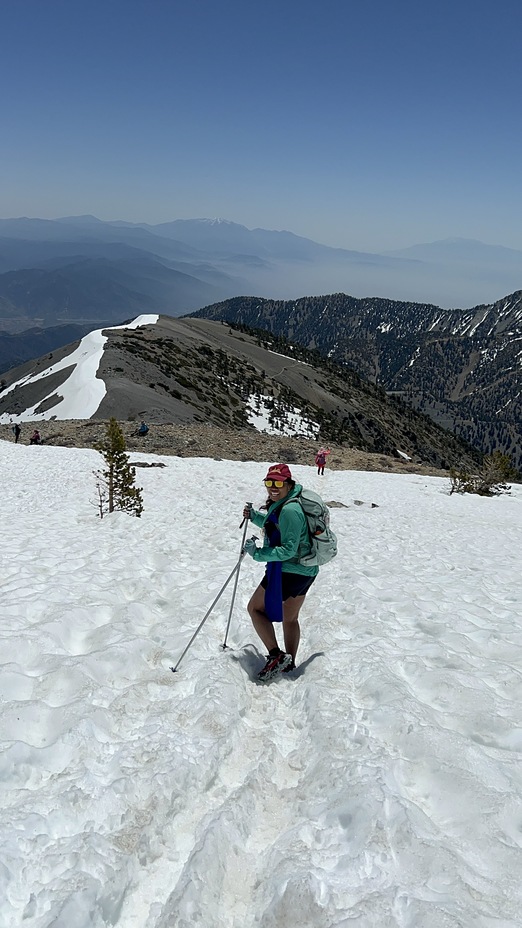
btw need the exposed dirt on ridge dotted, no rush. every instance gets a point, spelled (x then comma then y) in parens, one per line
(221, 444)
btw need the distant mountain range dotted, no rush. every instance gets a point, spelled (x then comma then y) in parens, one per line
(62, 278)
(80, 269)
(198, 371)
(461, 367)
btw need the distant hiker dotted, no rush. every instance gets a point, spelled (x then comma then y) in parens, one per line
(16, 430)
(36, 438)
(320, 460)
(282, 590)
(143, 429)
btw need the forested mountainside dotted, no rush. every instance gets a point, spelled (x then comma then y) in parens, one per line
(463, 368)
(198, 371)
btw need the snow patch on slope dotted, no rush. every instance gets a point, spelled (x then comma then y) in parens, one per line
(83, 391)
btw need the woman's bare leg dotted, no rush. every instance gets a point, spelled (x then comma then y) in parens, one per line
(260, 620)
(291, 629)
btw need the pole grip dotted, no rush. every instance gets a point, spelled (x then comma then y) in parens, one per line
(245, 519)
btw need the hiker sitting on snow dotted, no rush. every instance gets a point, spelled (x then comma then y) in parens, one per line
(36, 438)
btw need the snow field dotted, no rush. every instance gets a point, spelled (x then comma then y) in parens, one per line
(378, 785)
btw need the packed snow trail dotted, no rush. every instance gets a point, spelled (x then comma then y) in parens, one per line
(380, 785)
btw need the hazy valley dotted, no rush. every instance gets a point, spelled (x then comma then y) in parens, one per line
(60, 279)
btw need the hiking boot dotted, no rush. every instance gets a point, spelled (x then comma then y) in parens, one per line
(289, 668)
(276, 662)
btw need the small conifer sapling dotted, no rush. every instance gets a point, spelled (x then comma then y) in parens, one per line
(115, 484)
(493, 478)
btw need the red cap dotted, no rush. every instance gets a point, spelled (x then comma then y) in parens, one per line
(279, 472)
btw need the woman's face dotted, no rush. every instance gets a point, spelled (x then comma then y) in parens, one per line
(276, 494)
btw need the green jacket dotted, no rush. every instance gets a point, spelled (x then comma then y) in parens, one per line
(295, 539)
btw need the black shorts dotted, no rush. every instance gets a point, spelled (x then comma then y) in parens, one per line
(293, 584)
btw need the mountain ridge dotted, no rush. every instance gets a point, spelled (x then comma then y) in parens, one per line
(202, 372)
(460, 367)
(275, 264)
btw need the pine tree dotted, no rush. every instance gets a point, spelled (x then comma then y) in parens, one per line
(116, 484)
(493, 478)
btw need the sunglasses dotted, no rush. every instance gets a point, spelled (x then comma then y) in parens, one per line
(274, 483)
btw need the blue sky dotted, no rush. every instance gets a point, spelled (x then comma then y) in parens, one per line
(370, 125)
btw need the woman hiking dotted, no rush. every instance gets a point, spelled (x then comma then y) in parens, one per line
(320, 460)
(282, 591)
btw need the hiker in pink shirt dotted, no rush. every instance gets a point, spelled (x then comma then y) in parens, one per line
(320, 460)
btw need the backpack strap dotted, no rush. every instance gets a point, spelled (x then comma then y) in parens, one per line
(294, 499)
(301, 550)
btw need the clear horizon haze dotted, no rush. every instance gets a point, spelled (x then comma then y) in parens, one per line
(370, 127)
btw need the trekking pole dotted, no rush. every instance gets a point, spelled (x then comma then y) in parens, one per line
(209, 610)
(245, 523)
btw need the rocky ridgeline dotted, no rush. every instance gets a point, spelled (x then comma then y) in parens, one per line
(211, 441)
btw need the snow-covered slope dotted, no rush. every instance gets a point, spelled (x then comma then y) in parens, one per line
(379, 785)
(81, 391)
